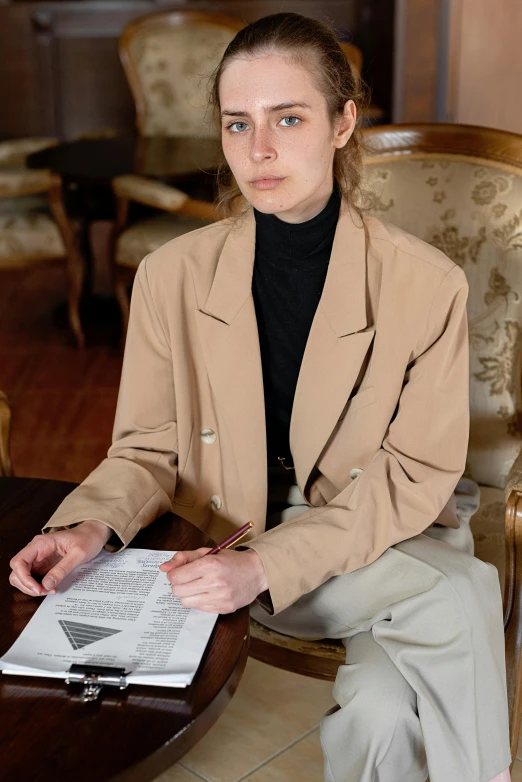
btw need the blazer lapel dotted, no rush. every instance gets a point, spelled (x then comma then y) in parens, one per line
(337, 345)
(229, 336)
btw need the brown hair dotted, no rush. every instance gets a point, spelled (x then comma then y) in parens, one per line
(298, 36)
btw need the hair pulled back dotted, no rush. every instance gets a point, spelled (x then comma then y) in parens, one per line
(312, 44)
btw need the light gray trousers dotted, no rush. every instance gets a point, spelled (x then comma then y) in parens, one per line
(423, 690)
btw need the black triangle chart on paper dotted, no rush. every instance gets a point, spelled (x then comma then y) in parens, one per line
(80, 635)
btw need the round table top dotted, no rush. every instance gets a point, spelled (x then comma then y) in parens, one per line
(46, 732)
(100, 160)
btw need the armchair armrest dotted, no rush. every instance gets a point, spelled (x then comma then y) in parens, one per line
(13, 153)
(166, 197)
(149, 192)
(23, 181)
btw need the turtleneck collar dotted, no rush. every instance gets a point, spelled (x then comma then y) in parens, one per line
(297, 246)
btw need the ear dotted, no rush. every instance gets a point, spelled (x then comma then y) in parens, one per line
(345, 125)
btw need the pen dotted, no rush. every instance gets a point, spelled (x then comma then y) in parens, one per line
(234, 538)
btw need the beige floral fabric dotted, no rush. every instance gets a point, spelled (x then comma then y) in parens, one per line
(28, 233)
(146, 236)
(148, 191)
(470, 209)
(27, 237)
(173, 66)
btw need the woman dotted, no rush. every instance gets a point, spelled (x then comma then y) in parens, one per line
(377, 430)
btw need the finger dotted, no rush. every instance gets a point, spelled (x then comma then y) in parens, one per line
(22, 562)
(182, 558)
(36, 592)
(43, 565)
(56, 575)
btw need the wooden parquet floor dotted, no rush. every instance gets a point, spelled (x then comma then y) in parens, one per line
(63, 400)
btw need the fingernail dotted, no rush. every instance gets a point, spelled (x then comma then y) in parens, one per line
(35, 591)
(49, 582)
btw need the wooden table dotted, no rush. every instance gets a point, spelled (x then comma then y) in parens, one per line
(46, 733)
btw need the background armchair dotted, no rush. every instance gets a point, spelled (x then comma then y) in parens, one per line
(34, 227)
(181, 214)
(168, 59)
(460, 189)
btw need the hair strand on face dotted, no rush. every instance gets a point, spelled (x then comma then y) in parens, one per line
(312, 45)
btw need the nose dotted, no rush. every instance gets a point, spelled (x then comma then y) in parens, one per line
(262, 147)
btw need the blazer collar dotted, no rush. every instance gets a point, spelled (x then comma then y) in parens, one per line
(232, 283)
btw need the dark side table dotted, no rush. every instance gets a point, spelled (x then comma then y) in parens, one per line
(46, 733)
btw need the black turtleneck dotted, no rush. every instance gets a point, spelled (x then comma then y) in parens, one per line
(291, 261)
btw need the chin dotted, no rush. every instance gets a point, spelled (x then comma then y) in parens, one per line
(268, 202)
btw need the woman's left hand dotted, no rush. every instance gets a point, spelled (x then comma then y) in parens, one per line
(221, 583)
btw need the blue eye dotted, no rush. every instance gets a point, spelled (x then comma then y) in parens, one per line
(293, 123)
(236, 123)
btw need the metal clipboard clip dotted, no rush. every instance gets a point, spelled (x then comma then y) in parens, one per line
(94, 677)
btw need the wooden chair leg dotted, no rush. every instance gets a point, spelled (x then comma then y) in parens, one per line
(75, 270)
(75, 265)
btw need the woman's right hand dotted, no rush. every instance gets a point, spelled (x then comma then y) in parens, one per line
(55, 554)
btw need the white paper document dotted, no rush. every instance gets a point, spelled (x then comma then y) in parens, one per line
(116, 610)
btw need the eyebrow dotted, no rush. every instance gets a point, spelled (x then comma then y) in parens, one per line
(268, 110)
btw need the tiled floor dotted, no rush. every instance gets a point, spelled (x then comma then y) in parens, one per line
(63, 405)
(269, 733)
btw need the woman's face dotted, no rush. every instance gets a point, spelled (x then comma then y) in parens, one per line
(277, 137)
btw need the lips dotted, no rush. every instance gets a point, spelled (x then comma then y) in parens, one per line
(266, 183)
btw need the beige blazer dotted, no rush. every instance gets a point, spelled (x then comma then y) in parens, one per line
(380, 421)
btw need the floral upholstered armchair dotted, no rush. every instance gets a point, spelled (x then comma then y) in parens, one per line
(168, 59)
(34, 228)
(460, 189)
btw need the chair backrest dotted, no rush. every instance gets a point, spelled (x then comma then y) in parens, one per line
(5, 423)
(168, 58)
(353, 54)
(459, 188)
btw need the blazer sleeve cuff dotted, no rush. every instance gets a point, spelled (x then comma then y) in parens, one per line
(81, 506)
(278, 596)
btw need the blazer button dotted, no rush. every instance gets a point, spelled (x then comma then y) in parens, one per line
(355, 472)
(208, 436)
(215, 502)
